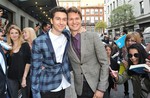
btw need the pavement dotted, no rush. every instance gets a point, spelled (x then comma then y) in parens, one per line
(120, 91)
(70, 92)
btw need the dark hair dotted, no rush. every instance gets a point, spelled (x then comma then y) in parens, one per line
(125, 31)
(140, 32)
(44, 24)
(1, 8)
(75, 10)
(108, 45)
(142, 54)
(57, 9)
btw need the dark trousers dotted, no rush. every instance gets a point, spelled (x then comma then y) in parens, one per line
(3, 95)
(16, 84)
(126, 88)
(88, 93)
(59, 94)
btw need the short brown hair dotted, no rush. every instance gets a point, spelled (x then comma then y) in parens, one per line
(57, 9)
(75, 10)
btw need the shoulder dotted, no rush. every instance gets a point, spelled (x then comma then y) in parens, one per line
(90, 33)
(25, 45)
(66, 33)
(41, 33)
(42, 37)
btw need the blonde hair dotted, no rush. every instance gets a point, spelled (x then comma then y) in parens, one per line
(31, 33)
(10, 41)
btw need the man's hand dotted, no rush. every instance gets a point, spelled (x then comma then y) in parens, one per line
(98, 94)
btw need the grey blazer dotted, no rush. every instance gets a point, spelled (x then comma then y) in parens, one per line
(93, 64)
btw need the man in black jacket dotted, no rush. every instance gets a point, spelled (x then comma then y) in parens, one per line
(4, 87)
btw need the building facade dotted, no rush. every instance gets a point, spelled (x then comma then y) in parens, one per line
(141, 9)
(16, 16)
(91, 12)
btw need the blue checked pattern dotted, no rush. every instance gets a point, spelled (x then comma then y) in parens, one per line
(47, 79)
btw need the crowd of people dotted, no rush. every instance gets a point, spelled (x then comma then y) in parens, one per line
(40, 65)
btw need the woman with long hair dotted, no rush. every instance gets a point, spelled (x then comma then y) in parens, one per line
(18, 62)
(136, 55)
(29, 35)
(113, 65)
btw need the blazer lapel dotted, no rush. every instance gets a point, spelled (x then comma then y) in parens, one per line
(50, 46)
(67, 35)
(73, 53)
(83, 45)
(4, 59)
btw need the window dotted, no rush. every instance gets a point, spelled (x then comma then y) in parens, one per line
(142, 7)
(117, 3)
(149, 2)
(22, 22)
(113, 5)
(92, 19)
(83, 12)
(88, 20)
(108, 9)
(96, 19)
(75, 4)
(96, 11)
(31, 23)
(101, 11)
(101, 18)
(83, 19)
(92, 11)
(69, 5)
(87, 11)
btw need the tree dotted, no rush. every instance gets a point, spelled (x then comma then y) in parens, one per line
(122, 15)
(100, 25)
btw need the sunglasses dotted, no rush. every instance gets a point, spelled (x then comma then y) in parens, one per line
(135, 55)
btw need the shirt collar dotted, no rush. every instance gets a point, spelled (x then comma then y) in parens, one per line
(77, 36)
(53, 36)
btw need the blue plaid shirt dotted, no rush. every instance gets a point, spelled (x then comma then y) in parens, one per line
(49, 78)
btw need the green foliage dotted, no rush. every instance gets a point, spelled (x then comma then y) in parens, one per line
(122, 15)
(100, 25)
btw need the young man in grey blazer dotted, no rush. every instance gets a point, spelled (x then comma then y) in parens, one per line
(88, 59)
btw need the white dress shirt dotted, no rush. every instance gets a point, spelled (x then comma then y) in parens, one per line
(2, 63)
(59, 44)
